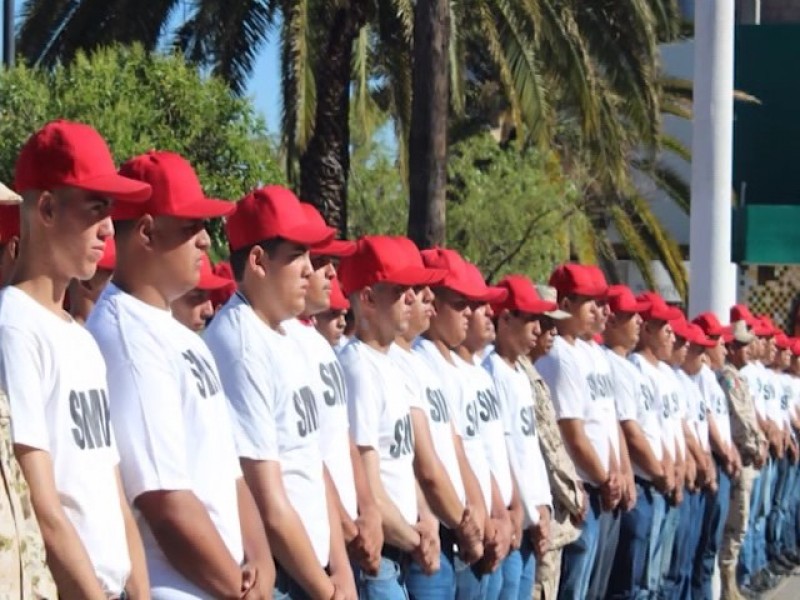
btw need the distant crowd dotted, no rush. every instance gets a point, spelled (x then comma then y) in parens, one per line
(327, 419)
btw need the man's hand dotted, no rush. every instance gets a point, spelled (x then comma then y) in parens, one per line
(578, 519)
(469, 537)
(254, 587)
(496, 544)
(344, 583)
(611, 492)
(428, 551)
(630, 497)
(365, 547)
(691, 475)
(516, 518)
(540, 533)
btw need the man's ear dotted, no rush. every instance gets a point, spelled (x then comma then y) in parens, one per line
(12, 247)
(44, 207)
(258, 261)
(144, 231)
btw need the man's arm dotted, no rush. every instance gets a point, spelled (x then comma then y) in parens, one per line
(190, 541)
(640, 451)
(396, 531)
(433, 479)
(289, 540)
(66, 556)
(369, 540)
(138, 585)
(581, 449)
(340, 569)
(257, 552)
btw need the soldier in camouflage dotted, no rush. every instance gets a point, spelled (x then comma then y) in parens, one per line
(751, 442)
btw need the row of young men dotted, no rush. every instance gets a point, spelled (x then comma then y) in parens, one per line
(395, 469)
(415, 456)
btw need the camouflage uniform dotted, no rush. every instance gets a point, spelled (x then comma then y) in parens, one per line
(748, 438)
(23, 570)
(565, 485)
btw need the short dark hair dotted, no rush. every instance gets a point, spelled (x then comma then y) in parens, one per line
(238, 257)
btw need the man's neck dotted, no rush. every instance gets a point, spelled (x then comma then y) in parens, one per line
(649, 355)
(372, 337)
(45, 288)
(619, 349)
(443, 349)
(507, 353)
(261, 309)
(404, 342)
(466, 354)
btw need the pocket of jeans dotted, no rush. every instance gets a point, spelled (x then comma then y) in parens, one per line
(387, 570)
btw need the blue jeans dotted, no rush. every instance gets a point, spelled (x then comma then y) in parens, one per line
(629, 579)
(747, 556)
(470, 583)
(287, 588)
(653, 568)
(608, 539)
(768, 474)
(687, 537)
(790, 528)
(669, 531)
(716, 512)
(779, 516)
(388, 584)
(441, 584)
(578, 557)
(513, 579)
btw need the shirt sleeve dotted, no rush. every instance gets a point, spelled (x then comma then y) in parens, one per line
(148, 424)
(251, 395)
(566, 383)
(22, 377)
(362, 404)
(626, 392)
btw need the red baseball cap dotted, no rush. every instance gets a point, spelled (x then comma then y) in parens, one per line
(272, 212)
(576, 280)
(338, 300)
(622, 300)
(740, 312)
(221, 295)
(768, 325)
(658, 310)
(698, 337)
(782, 341)
(599, 278)
(461, 276)
(522, 296)
(9, 222)
(680, 327)
(208, 279)
(795, 348)
(385, 259)
(109, 260)
(176, 189)
(332, 248)
(709, 323)
(63, 153)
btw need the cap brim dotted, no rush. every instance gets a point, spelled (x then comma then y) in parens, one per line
(9, 196)
(558, 315)
(117, 187)
(205, 208)
(492, 295)
(309, 235)
(416, 276)
(211, 282)
(335, 248)
(537, 308)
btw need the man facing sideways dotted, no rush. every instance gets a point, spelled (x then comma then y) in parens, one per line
(272, 394)
(517, 331)
(331, 323)
(201, 532)
(589, 429)
(379, 279)
(54, 373)
(196, 307)
(83, 295)
(359, 516)
(9, 236)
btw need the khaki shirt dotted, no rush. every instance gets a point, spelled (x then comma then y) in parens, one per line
(565, 485)
(23, 570)
(746, 434)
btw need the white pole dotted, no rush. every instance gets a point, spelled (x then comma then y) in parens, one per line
(712, 284)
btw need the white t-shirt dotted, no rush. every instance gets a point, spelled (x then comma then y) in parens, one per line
(715, 400)
(519, 421)
(479, 384)
(379, 404)
(636, 401)
(270, 389)
(753, 373)
(660, 387)
(787, 397)
(464, 407)
(55, 378)
(430, 399)
(673, 389)
(331, 394)
(772, 398)
(171, 421)
(695, 405)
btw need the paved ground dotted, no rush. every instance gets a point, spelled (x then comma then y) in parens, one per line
(789, 589)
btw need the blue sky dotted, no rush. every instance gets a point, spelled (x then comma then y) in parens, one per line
(265, 83)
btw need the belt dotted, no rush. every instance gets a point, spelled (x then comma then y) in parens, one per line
(394, 554)
(645, 483)
(448, 540)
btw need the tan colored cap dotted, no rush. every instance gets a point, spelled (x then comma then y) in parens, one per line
(8, 196)
(549, 294)
(741, 332)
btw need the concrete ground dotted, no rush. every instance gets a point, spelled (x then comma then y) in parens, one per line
(789, 588)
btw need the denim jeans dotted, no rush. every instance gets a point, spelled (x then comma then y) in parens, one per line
(607, 541)
(388, 584)
(687, 538)
(578, 557)
(715, 514)
(653, 568)
(629, 573)
(287, 588)
(669, 531)
(470, 583)
(779, 514)
(747, 557)
(441, 584)
(769, 474)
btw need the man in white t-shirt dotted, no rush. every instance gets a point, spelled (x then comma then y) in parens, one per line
(195, 307)
(271, 391)
(54, 373)
(656, 341)
(448, 329)
(199, 524)
(517, 319)
(638, 414)
(359, 515)
(331, 323)
(586, 429)
(438, 459)
(379, 280)
(83, 295)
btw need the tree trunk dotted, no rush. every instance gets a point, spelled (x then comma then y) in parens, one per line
(429, 110)
(325, 164)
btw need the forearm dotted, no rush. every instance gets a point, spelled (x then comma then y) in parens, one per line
(472, 487)
(585, 457)
(439, 492)
(364, 496)
(640, 450)
(341, 516)
(717, 445)
(138, 585)
(396, 531)
(254, 537)
(339, 560)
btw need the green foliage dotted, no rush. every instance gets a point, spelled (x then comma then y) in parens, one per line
(140, 101)
(507, 210)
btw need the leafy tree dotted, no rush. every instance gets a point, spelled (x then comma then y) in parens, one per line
(140, 101)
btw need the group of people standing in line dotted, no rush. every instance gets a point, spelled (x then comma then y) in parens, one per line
(332, 419)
